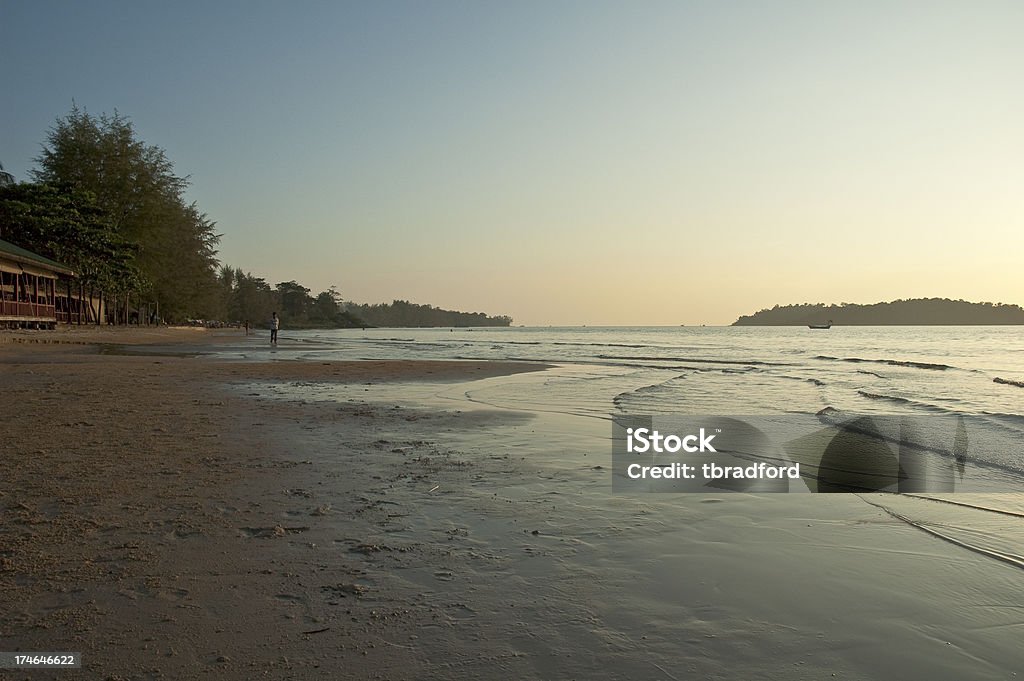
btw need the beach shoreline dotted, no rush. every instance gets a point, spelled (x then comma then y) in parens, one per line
(179, 516)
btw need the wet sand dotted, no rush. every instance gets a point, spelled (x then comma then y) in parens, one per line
(180, 517)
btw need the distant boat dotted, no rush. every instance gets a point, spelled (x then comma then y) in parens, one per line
(820, 326)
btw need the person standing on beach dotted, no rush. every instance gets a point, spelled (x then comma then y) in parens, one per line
(275, 324)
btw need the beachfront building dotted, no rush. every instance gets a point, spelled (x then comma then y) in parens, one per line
(34, 291)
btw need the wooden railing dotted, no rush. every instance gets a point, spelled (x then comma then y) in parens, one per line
(9, 308)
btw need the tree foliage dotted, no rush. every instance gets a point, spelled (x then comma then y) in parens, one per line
(404, 313)
(6, 179)
(135, 186)
(246, 297)
(68, 226)
(252, 299)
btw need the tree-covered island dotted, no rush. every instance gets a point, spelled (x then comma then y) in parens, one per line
(914, 312)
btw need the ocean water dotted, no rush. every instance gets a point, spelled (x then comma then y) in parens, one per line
(738, 370)
(896, 372)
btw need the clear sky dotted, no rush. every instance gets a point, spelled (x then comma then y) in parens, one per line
(566, 162)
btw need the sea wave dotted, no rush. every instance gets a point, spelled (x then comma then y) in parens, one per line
(805, 379)
(653, 389)
(604, 345)
(1016, 421)
(925, 406)
(701, 360)
(891, 362)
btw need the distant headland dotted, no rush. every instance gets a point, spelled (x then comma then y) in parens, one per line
(915, 312)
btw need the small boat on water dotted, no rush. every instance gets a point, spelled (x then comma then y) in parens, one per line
(820, 326)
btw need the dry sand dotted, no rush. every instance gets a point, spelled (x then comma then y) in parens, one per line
(171, 517)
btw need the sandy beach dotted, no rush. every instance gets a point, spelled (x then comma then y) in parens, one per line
(174, 516)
